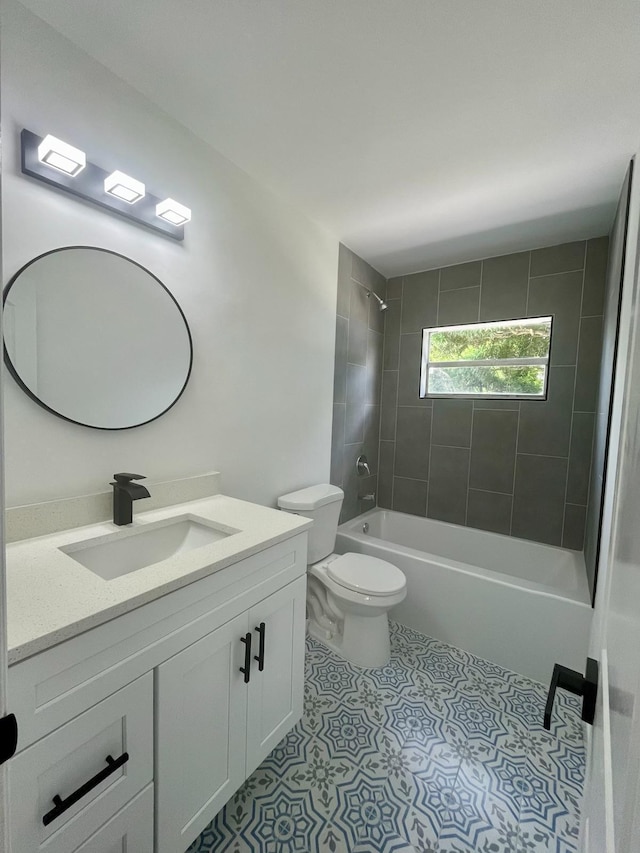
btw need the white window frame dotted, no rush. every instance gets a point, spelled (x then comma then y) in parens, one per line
(496, 362)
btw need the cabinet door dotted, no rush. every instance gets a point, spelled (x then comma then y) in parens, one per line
(276, 693)
(201, 705)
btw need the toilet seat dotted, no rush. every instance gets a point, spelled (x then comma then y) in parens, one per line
(366, 575)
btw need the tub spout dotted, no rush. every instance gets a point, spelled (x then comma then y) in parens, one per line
(362, 466)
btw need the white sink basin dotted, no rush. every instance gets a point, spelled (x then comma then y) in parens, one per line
(127, 551)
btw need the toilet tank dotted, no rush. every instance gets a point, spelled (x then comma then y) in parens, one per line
(321, 503)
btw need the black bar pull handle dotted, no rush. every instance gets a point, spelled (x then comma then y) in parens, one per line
(61, 806)
(8, 737)
(582, 685)
(261, 628)
(246, 669)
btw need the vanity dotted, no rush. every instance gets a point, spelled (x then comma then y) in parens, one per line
(147, 692)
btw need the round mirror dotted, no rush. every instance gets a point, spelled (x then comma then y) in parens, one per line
(95, 338)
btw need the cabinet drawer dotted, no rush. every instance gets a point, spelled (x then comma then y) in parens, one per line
(66, 777)
(130, 831)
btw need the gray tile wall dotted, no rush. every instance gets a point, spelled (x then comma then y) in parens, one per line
(357, 381)
(518, 468)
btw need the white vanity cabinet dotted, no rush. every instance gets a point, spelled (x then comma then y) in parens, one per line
(222, 705)
(163, 685)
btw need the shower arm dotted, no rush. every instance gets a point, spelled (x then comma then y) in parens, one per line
(382, 305)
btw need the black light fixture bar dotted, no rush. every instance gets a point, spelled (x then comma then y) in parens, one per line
(89, 185)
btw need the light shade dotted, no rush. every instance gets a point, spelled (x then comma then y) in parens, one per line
(61, 156)
(173, 212)
(124, 187)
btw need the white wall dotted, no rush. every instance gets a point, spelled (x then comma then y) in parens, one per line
(255, 278)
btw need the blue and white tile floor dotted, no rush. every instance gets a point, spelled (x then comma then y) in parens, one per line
(438, 751)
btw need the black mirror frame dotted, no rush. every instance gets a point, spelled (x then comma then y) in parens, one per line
(29, 393)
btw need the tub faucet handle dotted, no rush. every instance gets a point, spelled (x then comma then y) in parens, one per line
(362, 466)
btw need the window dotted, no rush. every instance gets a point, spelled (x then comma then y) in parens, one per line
(509, 358)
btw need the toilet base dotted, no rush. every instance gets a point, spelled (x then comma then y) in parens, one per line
(364, 640)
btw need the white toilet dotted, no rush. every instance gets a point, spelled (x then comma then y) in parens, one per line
(348, 595)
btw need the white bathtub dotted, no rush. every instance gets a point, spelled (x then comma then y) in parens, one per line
(520, 604)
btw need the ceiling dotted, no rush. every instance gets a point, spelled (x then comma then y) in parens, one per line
(420, 132)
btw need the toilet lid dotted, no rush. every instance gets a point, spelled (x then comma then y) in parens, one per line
(366, 574)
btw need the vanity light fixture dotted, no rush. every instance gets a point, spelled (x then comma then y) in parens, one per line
(61, 156)
(173, 212)
(66, 168)
(124, 187)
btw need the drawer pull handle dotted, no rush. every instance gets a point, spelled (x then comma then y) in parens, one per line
(260, 656)
(61, 806)
(246, 669)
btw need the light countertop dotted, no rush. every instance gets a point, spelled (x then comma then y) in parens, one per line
(51, 597)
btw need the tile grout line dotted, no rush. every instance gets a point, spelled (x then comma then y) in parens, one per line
(563, 272)
(395, 425)
(491, 492)
(473, 411)
(542, 455)
(515, 460)
(466, 509)
(426, 507)
(464, 286)
(453, 446)
(381, 369)
(573, 400)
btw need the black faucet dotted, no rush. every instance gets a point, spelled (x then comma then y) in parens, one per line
(124, 494)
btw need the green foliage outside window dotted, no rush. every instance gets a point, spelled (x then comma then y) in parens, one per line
(489, 342)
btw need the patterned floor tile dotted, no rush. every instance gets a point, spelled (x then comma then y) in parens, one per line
(406, 646)
(291, 751)
(476, 815)
(535, 838)
(502, 778)
(370, 812)
(420, 832)
(443, 666)
(432, 695)
(474, 717)
(315, 705)
(413, 722)
(502, 838)
(435, 788)
(389, 679)
(284, 821)
(438, 752)
(322, 773)
(348, 733)
(391, 845)
(543, 801)
(331, 677)
(445, 754)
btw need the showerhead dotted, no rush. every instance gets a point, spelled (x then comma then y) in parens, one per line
(382, 305)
